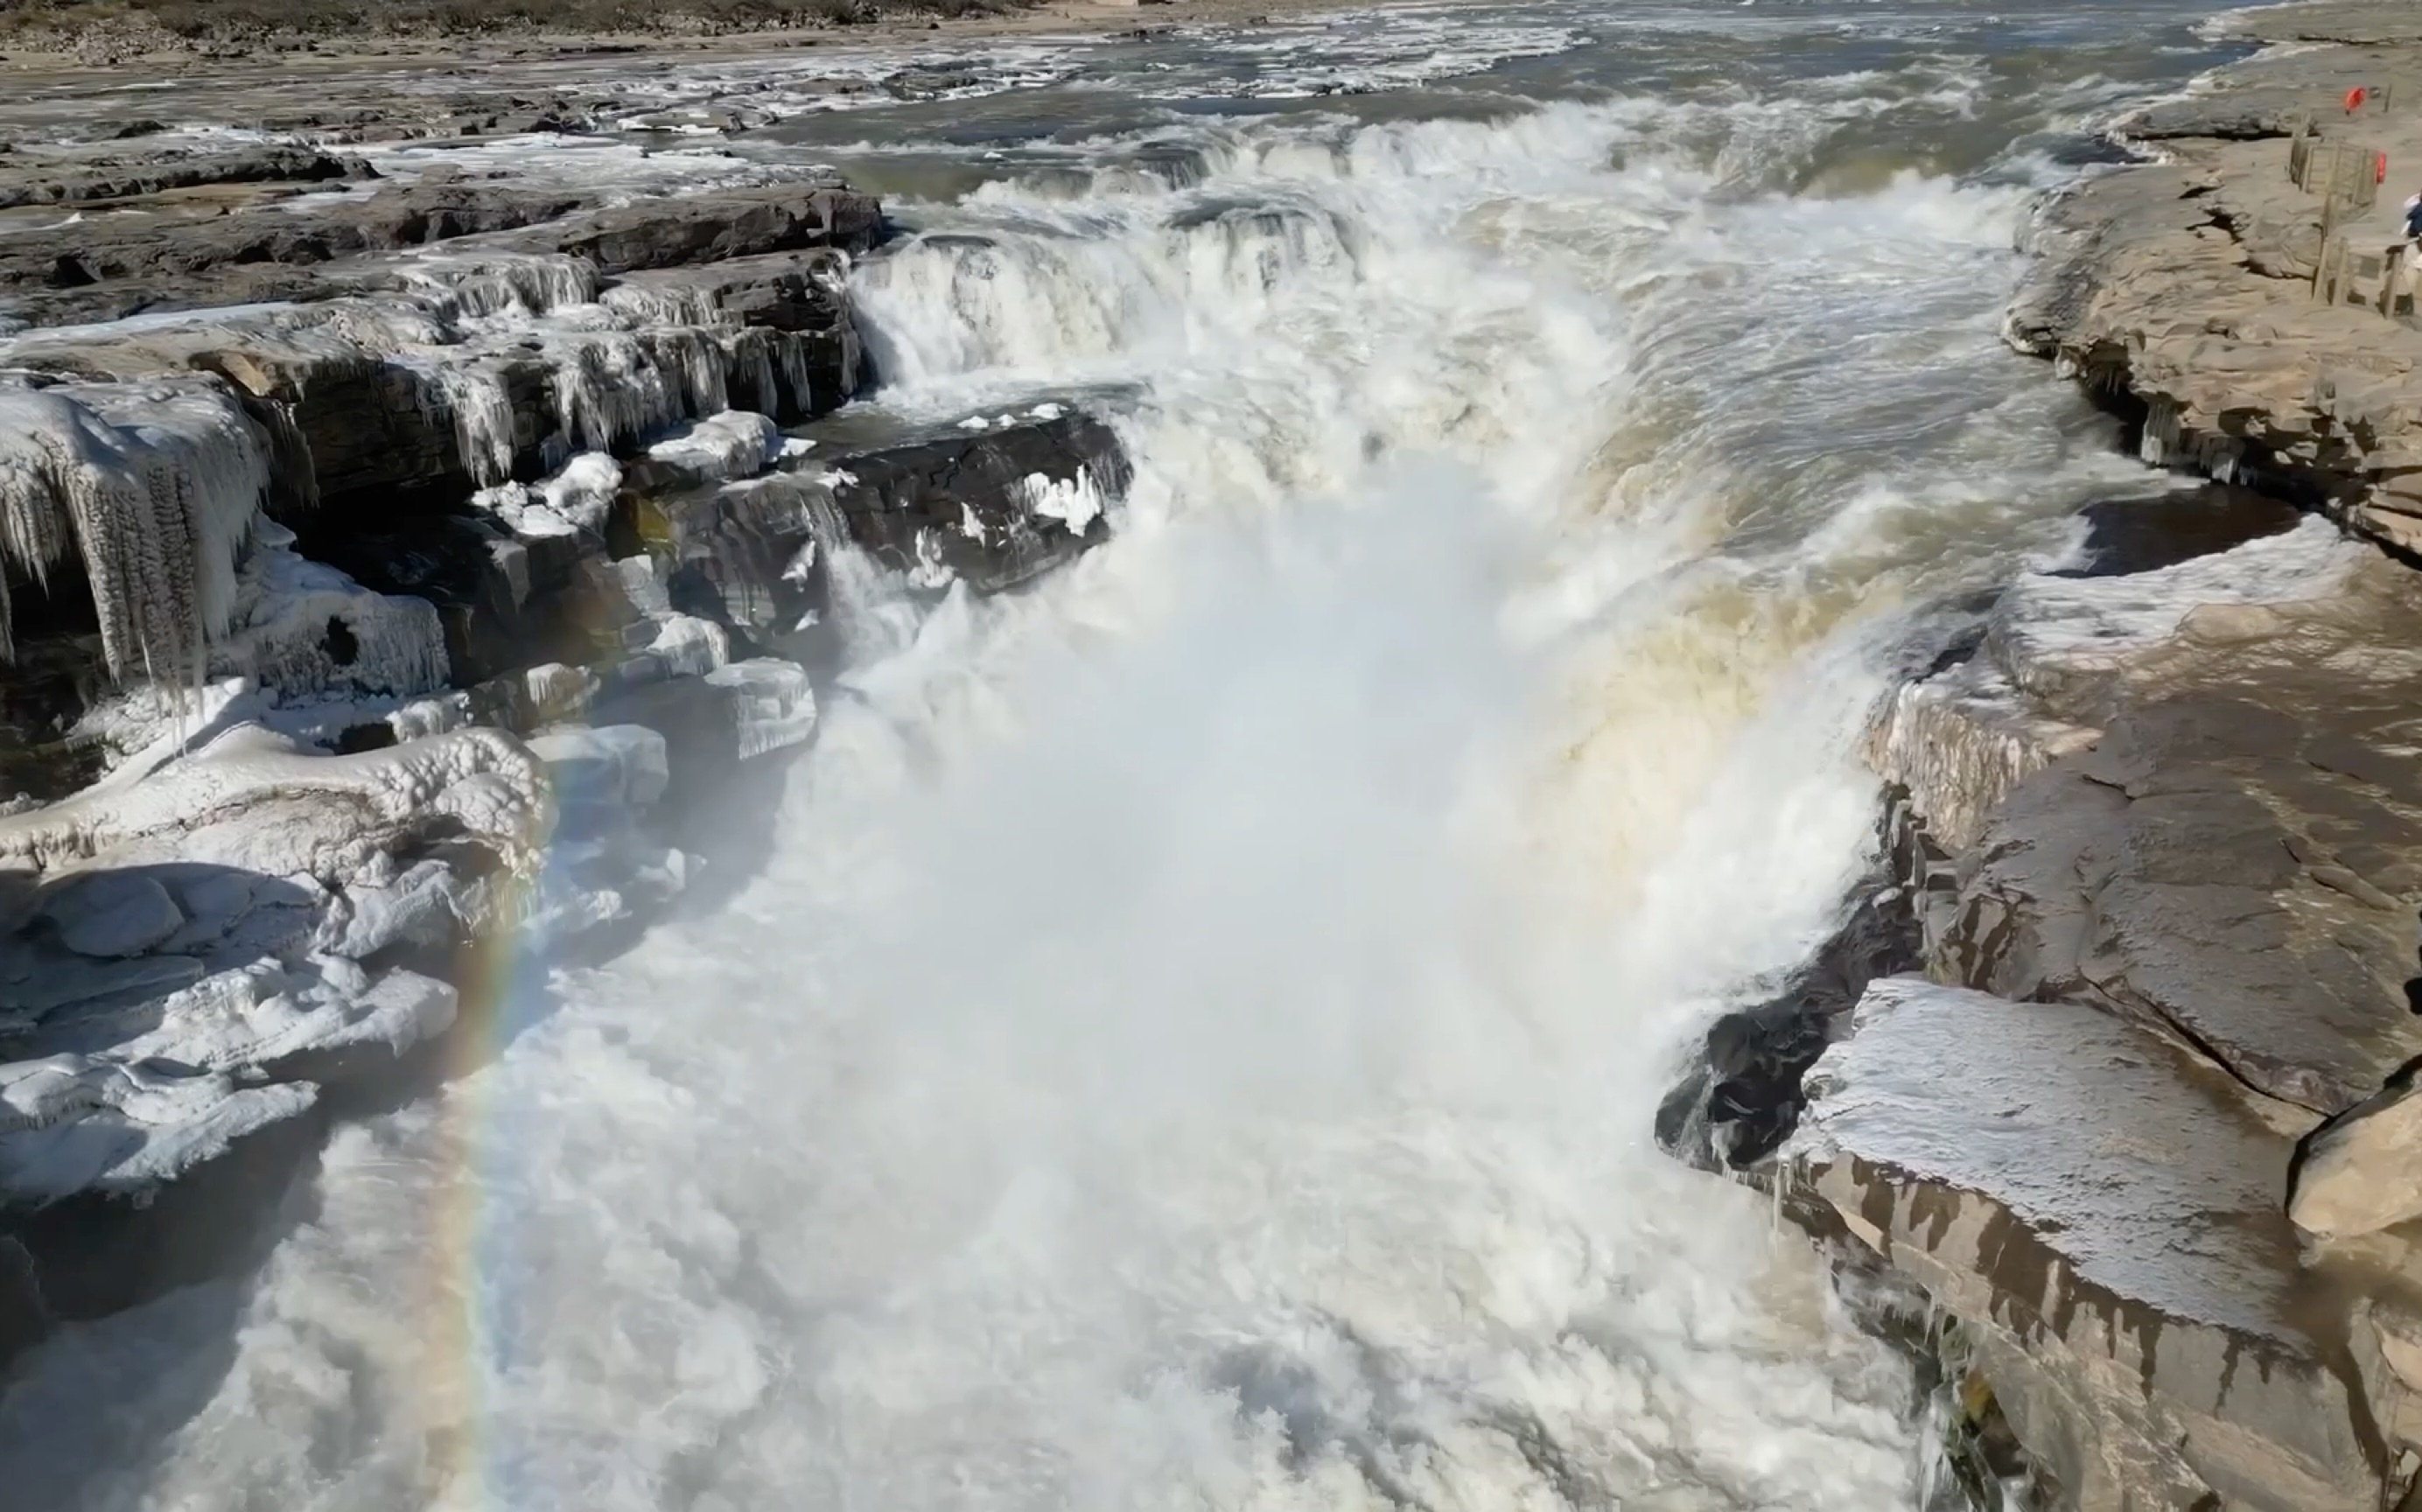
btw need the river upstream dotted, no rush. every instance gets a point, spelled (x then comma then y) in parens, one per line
(1194, 1042)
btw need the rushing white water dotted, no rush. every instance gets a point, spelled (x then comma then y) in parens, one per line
(1193, 1044)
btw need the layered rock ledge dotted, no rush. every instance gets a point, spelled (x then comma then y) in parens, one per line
(392, 568)
(2118, 1067)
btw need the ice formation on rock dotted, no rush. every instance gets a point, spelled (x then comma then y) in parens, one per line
(302, 629)
(198, 923)
(473, 396)
(155, 487)
(477, 287)
(689, 646)
(613, 386)
(733, 444)
(69, 1124)
(583, 491)
(612, 765)
(322, 816)
(1074, 502)
(602, 865)
(775, 703)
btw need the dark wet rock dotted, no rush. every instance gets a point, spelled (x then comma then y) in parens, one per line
(711, 227)
(954, 504)
(59, 670)
(981, 504)
(104, 270)
(82, 180)
(1744, 1098)
(506, 603)
(927, 83)
(221, 260)
(2141, 535)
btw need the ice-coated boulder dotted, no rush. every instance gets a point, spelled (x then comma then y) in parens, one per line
(70, 1125)
(734, 443)
(110, 913)
(773, 705)
(615, 765)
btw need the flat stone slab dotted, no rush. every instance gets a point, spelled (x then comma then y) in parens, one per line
(2108, 1208)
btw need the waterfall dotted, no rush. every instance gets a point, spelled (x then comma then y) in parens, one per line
(1194, 1039)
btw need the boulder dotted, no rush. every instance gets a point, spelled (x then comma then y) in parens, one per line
(993, 507)
(2362, 1172)
(110, 913)
(619, 766)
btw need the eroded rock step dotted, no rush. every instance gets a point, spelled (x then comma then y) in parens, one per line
(350, 638)
(2185, 291)
(2136, 1107)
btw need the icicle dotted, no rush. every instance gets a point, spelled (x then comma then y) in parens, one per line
(525, 283)
(474, 397)
(696, 358)
(748, 353)
(156, 485)
(289, 452)
(664, 304)
(796, 371)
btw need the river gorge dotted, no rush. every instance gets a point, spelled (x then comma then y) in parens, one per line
(1348, 568)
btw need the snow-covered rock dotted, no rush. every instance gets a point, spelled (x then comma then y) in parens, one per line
(303, 630)
(615, 765)
(734, 443)
(69, 1124)
(690, 647)
(222, 913)
(111, 913)
(583, 489)
(250, 800)
(775, 703)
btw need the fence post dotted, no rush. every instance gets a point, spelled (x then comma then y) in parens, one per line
(2321, 254)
